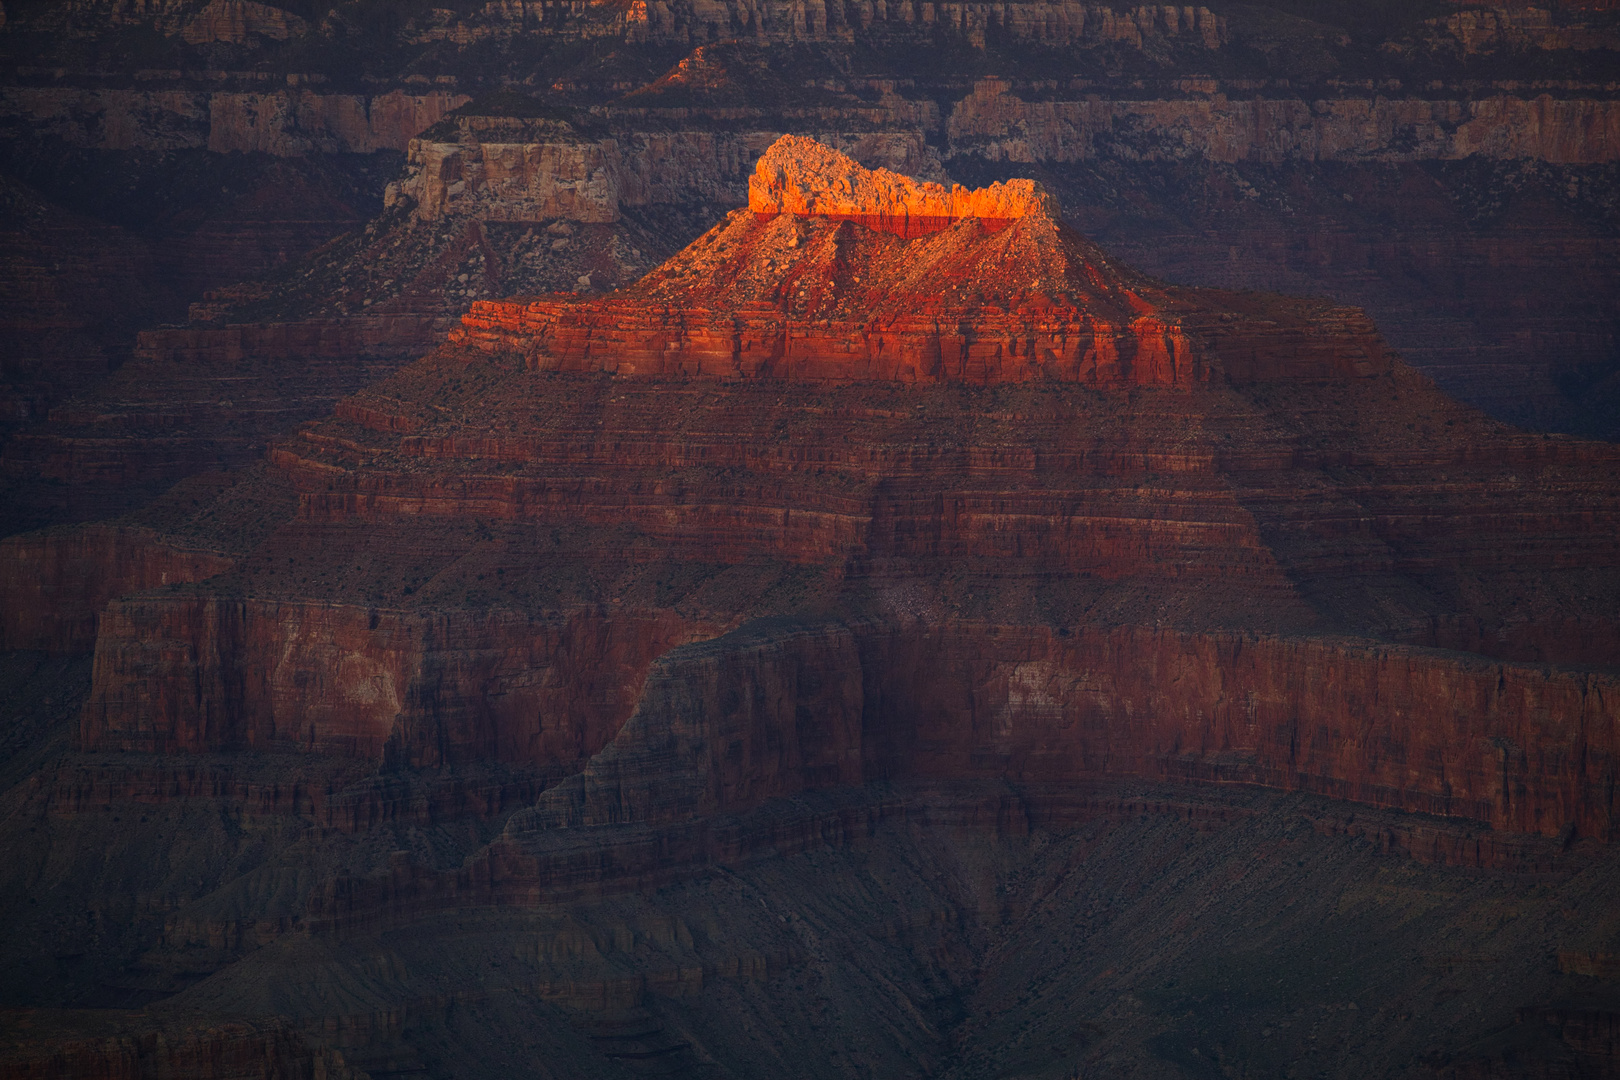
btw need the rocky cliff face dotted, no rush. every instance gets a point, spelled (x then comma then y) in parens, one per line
(994, 123)
(803, 178)
(185, 675)
(283, 122)
(55, 584)
(101, 1048)
(1026, 298)
(726, 726)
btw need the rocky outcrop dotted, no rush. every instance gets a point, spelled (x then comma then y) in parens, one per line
(816, 300)
(236, 21)
(54, 584)
(88, 1046)
(981, 286)
(805, 178)
(194, 674)
(769, 712)
(562, 177)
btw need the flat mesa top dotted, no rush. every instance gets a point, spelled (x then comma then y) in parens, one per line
(805, 178)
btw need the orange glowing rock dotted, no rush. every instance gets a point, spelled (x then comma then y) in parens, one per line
(802, 177)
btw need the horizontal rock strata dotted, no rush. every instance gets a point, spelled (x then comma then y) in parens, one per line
(807, 179)
(183, 674)
(1525, 749)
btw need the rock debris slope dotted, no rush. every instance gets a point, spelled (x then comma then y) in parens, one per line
(884, 599)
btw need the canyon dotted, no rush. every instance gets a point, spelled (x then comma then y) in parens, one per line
(961, 540)
(780, 566)
(1469, 154)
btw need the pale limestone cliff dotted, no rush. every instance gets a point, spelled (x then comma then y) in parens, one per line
(561, 176)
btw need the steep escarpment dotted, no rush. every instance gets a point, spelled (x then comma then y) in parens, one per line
(55, 584)
(634, 149)
(182, 675)
(756, 715)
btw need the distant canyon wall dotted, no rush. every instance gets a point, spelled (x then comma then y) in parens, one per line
(285, 123)
(507, 171)
(1048, 23)
(798, 708)
(507, 176)
(1052, 22)
(993, 122)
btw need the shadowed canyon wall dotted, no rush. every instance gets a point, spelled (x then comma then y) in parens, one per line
(184, 675)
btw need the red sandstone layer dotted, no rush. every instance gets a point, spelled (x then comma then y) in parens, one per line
(187, 674)
(54, 584)
(822, 300)
(724, 726)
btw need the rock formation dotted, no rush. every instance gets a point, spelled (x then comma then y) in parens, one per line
(1227, 465)
(236, 21)
(980, 286)
(802, 177)
(1473, 286)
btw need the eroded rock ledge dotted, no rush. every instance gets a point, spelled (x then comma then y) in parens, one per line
(802, 177)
